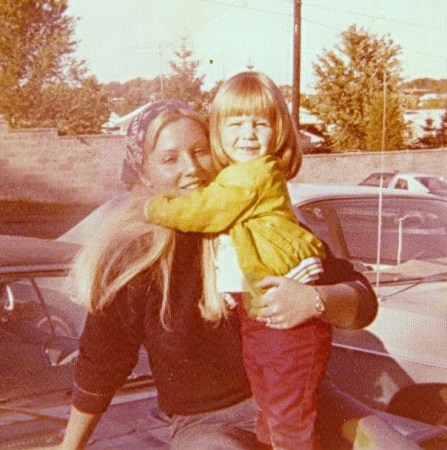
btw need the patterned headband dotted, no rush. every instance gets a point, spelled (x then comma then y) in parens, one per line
(136, 135)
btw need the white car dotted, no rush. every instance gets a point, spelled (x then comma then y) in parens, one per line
(399, 240)
(406, 343)
(396, 365)
(411, 181)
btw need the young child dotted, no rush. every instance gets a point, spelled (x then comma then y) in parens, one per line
(255, 147)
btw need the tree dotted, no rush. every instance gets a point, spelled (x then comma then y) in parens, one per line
(74, 110)
(35, 49)
(441, 132)
(184, 83)
(132, 94)
(208, 97)
(379, 136)
(350, 83)
(37, 64)
(432, 103)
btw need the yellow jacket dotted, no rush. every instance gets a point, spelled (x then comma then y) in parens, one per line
(250, 201)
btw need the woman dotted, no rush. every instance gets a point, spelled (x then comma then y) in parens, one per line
(144, 285)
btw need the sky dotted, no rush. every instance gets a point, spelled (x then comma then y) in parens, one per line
(126, 39)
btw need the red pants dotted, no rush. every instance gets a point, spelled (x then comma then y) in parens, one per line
(284, 368)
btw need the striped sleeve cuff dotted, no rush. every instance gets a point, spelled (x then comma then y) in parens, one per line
(307, 271)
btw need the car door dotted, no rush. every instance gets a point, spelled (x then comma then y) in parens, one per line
(407, 242)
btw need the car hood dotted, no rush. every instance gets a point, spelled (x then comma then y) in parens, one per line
(411, 270)
(439, 192)
(20, 255)
(411, 298)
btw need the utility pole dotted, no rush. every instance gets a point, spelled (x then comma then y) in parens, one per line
(296, 61)
(160, 54)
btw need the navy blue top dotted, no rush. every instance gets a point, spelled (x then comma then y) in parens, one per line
(197, 367)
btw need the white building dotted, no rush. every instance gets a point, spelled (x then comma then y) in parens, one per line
(416, 119)
(118, 124)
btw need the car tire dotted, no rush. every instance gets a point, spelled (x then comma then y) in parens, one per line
(62, 326)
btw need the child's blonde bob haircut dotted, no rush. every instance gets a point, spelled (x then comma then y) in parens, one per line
(253, 93)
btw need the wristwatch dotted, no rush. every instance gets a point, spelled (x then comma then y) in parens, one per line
(320, 307)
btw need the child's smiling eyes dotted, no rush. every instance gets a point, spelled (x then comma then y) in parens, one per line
(233, 122)
(242, 121)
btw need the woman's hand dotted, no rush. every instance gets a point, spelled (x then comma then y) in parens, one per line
(349, 305)
(287, 303)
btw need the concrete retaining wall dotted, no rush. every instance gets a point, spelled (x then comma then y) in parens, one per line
(350, 168)
(37, 165)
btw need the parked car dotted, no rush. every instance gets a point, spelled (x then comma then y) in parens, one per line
(408, 270)
(399, 240)
(39, 324)
(414, 182)
(398, 364)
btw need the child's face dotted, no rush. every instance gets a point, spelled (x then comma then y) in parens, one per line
(245, 138)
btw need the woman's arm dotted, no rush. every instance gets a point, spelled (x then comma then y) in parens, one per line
(351, 304)
(109, 350)
(79, 429)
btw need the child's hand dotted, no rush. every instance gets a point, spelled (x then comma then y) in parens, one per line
(286, 304)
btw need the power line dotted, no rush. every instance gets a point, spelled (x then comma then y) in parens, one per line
(369, 16)
(250, 8)
(326, 8)
(381, 17)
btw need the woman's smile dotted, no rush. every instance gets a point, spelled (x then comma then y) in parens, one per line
(181, 159)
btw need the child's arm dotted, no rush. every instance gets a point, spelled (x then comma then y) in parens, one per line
(307, 271)
(212, 209)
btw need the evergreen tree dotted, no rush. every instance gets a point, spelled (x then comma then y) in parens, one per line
(441, 133)
(184, 83)
(350, 81)
(380, 135)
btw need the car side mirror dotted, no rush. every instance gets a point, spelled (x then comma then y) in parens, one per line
(10, 299)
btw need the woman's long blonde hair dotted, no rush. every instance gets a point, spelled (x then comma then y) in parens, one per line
(126, 245)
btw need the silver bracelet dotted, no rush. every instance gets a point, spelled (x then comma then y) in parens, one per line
(320, 307)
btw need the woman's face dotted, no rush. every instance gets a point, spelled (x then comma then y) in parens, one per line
(181, 159)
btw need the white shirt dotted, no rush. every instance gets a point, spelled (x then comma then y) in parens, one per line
(229, 277)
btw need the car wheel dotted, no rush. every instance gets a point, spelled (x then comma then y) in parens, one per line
(61, 326)
(63, 346)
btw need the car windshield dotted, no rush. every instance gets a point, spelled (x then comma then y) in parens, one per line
(433, 183)
(374, 179)
(406, 230)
